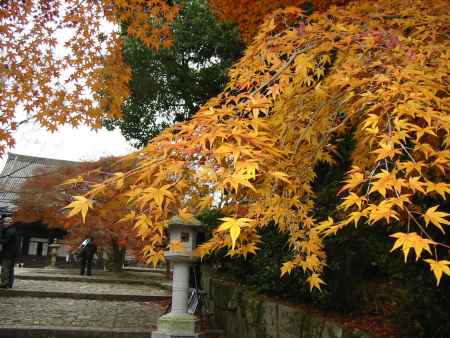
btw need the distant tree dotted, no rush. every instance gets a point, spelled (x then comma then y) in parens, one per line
(45, 195)
(169, 84)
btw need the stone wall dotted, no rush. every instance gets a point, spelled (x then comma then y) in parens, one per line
(243, 314)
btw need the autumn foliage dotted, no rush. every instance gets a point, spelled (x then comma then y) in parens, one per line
(41, 199)
(377, 71)
(46, 195)
(61, 61)
(249, 15)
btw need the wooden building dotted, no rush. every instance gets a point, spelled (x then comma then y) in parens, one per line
(34, 237)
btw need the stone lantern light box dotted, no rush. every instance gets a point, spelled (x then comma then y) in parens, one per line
(185, 232)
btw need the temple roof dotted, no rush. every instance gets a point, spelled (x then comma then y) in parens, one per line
(18, 168)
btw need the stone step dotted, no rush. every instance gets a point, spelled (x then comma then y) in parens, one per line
(82, 290)
(18, 331)
(70, 332)
(163, 284)
(58, 317)
(82, 295)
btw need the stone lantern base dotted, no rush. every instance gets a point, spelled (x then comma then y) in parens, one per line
(174, 325)
(53, 254)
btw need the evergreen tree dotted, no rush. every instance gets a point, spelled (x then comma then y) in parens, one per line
(169, 84)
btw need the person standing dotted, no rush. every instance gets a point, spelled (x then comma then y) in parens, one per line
(10, 250)
(88, 250)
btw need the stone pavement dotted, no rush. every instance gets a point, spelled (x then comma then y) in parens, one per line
(84, 287)
(60, 303)
(127, 276)
(61, 312)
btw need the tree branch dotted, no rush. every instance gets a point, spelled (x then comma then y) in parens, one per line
(284, 67)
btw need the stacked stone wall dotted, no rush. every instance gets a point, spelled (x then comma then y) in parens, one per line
(241, 313)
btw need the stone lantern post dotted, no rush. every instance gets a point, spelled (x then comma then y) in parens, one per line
(53, 253)
(179, 323)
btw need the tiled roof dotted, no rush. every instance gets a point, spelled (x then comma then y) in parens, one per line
(16, 171)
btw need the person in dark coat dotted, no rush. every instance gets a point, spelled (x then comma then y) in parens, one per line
(10, 250)
(87, 252)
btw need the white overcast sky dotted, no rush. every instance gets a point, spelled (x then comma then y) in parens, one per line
(68, 143)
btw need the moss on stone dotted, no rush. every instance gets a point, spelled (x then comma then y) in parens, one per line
(173, 322)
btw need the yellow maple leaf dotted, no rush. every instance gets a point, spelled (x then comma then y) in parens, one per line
(406, 241)
(248, 248)
(411, 166)
(436, 218)
(415, 185)
(186, 216)
(119, 180)
(239, 178)
(354, 179)
(385, 150)
(205, 202)
(158, 195)
(177, 246)
(314, 281)
(439, 268)
(353, 199)
(142, 223)
(287, 268)
(355, 216)
(203, 249)
(383, 210)
(401, 200)
(280, 175)
(440, 187)
(81, 204)
(128, 217)
(385, 181)
(371, 121)
(155, 257)
(325, 225)
(234, 225)
(312, 263)
(247, 168)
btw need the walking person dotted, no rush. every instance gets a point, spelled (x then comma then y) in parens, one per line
(10, 250)
(88, 250)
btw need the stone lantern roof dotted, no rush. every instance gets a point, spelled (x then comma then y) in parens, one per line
(193, 223)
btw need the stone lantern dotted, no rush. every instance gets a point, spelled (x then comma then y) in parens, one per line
(179, 323)
(53, 253)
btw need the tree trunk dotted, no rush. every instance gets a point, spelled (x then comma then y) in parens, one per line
(116, 257)
(168, 272)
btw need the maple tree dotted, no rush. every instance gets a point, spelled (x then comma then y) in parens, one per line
(46, 194)
(62, 62)
(375, 70)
